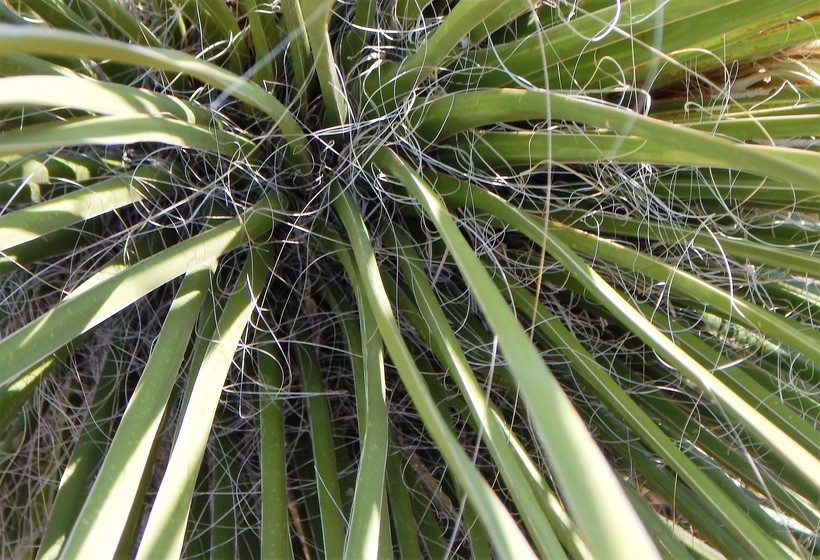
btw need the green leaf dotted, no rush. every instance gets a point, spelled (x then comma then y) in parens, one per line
(583, 473)
(166, 524)
(506, 537)
(104, 514)
(39, 338)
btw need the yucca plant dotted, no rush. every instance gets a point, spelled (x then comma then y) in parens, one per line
(409, 279)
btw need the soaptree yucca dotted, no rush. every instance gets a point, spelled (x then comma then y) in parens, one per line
(462, 278)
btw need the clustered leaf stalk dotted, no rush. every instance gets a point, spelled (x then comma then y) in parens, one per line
(376, 279)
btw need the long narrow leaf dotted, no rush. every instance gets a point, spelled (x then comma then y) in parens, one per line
(582, 471)
(506, 536)
(104, 515)
(166, 523)
(77, 315)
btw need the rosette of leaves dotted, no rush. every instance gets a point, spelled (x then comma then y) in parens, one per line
(319, 279)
